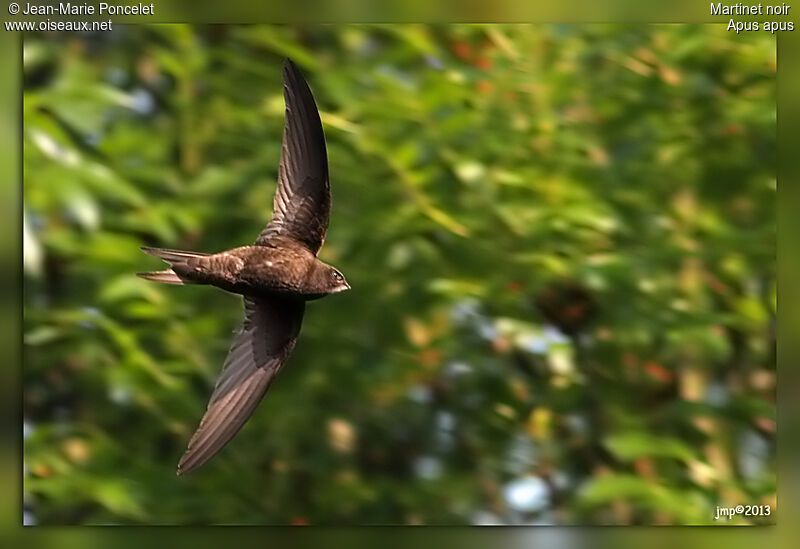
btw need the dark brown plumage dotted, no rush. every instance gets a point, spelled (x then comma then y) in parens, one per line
(276, 276)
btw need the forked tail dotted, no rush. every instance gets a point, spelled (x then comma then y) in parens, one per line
(173, 257)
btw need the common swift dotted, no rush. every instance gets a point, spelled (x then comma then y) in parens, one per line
(276, 275)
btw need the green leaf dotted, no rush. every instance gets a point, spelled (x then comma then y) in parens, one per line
(631, 445)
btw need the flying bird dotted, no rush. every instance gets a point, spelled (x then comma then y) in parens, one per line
(276, 275)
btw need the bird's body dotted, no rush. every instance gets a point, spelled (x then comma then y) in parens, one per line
(280, 267)
(276, 276)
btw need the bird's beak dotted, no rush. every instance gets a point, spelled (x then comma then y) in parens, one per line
(343, 287)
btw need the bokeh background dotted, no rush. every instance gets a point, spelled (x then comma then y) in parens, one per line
(561, 242)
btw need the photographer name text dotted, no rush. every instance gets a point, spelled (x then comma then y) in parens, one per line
(102, 8)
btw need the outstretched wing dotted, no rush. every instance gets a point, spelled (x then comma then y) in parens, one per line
(302, 203)
(262, 345)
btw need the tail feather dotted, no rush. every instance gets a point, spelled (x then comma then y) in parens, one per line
(172, 256)
(167, 276)
(176, 259)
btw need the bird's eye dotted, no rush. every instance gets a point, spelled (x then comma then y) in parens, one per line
(337, 276)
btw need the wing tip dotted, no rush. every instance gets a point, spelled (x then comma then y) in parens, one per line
(290, 68)
(182, 470)
(185, 465)
(293, 77)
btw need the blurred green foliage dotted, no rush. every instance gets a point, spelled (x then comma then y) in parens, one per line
(475, 170)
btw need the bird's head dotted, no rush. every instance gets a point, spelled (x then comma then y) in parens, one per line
(338, 283)
(328, 280)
